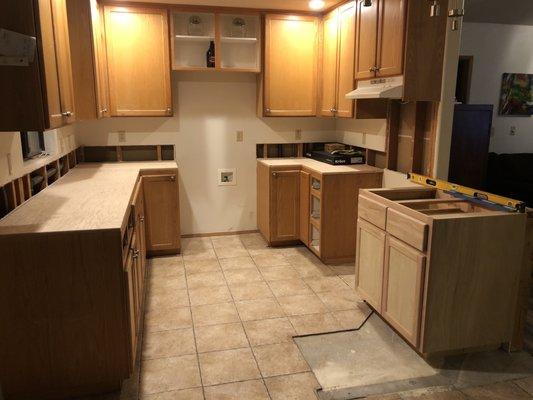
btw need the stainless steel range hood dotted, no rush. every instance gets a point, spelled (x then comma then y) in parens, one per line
(383, 88)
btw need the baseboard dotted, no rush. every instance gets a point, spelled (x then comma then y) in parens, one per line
(197, 235)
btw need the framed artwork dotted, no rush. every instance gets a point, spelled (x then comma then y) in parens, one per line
(517, 94)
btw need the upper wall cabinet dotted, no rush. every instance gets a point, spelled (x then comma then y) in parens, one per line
(338, 46)
(138, 59)
(380, 38)
(291, 64)
(38, 96)
(233, 42)
(89, 64)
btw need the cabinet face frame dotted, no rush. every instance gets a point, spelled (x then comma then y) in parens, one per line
(114, 72)
(412, 332)
(308, 93)
(329, 64)
(379, 235)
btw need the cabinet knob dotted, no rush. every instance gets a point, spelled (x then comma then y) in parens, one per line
(275, 174)
(141, 219)
(103, 110)
(67, 114)
(169, 111)
(135, 253)
(172, 178)
(268, 110)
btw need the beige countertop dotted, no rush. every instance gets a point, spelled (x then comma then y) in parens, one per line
(319, 167)
(92, 196)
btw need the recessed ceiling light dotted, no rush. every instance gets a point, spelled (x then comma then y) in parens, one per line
(317, 4)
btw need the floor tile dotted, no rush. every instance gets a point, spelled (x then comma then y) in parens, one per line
(227, 241)
(279, 273)
(343, 270)
(166, 374)
(253, 241)
(269, 331)
(300, 305)
(171, 261)
(315, 323)
(251, 291)
(214, 314)
(204, 254)
(249, 390)
(168, 344)
(496, 391)
(270, 260)
(240, 276)
(221, 366)
(259, 309)
(289, 287)
(326, 284)
(196, 244)
(228, 264)
(166, 319)
(293, 387)
(187, 394)
(220, 337)
(231, 252)
(384, 397)
(280, 359)
(308, 270)
(166, 283)
(442, 395)
(349, 280)
(526, 384)
(157, 271)
(209, 295)
(198, 266)
(339, 300)
(157, 300)
(350, 319)
(205, 279)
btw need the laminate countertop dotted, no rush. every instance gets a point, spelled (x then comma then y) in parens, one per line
(318, 166)
(92, 196)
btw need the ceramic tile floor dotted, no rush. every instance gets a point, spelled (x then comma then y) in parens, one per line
(220, 319)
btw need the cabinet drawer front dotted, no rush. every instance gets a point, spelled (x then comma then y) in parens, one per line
(408, 229)
(372, 211)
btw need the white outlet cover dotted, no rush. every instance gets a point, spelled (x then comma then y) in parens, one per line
(227, 177)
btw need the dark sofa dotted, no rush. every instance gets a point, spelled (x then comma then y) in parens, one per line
(511, 175)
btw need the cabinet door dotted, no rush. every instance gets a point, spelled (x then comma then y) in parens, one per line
(366, 40)
(138, 55)
(100, 60)
(161, 202)
(346, 60)
(305, 198)
(284, 206)
(330, 30)
(369, 263)
(391, 34)
(403, 283)
(64, 65)
(291, 59)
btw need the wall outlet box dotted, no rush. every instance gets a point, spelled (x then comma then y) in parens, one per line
(298, 134)
(240, 136)
(227, 177)
(122, 136)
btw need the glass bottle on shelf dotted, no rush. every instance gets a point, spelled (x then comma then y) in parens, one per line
(211, 55)
(195, 26)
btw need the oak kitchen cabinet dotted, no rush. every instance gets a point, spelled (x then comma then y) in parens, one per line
(89, 61)
(303, 200)
(78, 334)
(380, 38)
(437, 268)
(137, 46)
(289, 87)
(337, 74)
(39, 96)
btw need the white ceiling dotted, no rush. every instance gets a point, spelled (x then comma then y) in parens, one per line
(293, 5)
(515, 12)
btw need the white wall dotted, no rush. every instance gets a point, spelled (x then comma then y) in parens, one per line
(499, 48)
(210, 108)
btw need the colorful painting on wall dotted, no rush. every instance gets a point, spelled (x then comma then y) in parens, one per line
(517, 94)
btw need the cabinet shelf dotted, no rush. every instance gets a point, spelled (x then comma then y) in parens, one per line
(188, 38)
(244, 40)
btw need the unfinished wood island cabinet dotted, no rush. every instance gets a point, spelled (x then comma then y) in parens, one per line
(303, 200)
(337, 74)
(138, 52)
(442, 271)
(38, 96)
(72, 279)
(289, 85)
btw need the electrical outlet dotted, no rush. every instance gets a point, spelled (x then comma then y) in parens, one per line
(121, 136)
(298, 134)
(240, 136)
(512, 131)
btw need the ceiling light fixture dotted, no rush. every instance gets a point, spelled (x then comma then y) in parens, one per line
(317, 4)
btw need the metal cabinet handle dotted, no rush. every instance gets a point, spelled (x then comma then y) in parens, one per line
(103, 110)
(135, 254)
(169, 110)
(172, 178)
(275, 174)
(268, 110)
(141, 219)
(67, 114)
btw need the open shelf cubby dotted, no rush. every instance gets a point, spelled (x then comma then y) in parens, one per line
(240, 49)
(191, 41)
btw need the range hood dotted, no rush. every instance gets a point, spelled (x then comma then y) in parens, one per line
(384, 88)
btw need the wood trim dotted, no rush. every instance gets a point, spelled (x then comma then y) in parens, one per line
(215, 234)
(393, 130)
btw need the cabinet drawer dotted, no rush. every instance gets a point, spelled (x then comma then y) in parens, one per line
(407, 229)
(372, 211)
